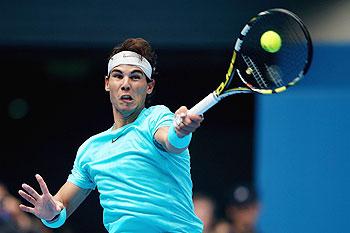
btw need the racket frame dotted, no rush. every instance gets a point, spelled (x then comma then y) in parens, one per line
(221, 91)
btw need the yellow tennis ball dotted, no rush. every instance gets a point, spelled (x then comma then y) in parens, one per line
(270, 41)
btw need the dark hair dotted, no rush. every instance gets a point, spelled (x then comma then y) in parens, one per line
(140, 46)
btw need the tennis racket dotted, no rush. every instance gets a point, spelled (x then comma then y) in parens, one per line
(255, 70)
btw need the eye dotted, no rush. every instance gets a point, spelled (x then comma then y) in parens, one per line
(117, 75)
(136, 77)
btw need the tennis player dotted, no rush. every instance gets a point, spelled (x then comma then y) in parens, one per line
(140, 165)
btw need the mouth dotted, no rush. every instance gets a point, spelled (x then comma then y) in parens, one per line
(126, 98)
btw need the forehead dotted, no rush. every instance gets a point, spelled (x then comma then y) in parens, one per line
(127, 68)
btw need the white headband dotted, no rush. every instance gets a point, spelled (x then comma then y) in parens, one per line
(130, 58)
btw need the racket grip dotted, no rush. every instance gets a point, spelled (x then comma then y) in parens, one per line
(206, 103)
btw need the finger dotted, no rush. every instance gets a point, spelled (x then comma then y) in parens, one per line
(187, 128)
(27, 197)
(190, 124)
(182, 131)
(182, 110)
(42, 184)
(180, 117)
(195, 117)
(177, 120)
(26, 208)
(31, 191)
(59, 206)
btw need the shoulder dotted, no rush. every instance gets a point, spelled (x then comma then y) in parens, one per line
(158, 109)
(159, 112)
(92, 140)
(157, 116)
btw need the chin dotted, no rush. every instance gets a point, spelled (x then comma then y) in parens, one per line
(125, 109)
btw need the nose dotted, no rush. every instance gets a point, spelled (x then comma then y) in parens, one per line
(126, 83)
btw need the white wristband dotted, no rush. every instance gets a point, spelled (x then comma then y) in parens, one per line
(177, 142)
(59, 221)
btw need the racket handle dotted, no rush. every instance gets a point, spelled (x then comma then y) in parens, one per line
(206, 103)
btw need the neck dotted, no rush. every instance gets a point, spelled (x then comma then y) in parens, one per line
(121, 119)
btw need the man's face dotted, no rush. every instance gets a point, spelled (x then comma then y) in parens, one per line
(128, 88)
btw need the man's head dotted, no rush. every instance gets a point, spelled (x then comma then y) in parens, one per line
(243, 207)
(140, 47)
(130, 76)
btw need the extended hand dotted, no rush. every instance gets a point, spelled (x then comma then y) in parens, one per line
(44, 206)
(188, 123)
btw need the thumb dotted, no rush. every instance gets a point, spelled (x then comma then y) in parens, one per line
(59, 206)
(182, 111)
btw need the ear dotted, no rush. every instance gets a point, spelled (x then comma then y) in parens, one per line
(150, 86)
(107, 83)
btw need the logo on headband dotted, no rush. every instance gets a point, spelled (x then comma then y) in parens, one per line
(130, 55)
(131, 58)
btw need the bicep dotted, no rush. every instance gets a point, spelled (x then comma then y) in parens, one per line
(72, 196)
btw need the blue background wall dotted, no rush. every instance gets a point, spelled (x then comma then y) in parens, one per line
(303, 149)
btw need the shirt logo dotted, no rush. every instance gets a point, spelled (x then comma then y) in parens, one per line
(115, 139)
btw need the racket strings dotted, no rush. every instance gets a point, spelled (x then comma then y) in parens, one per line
(282, 68)
(256, 72)
(275, 75)
(297, 45)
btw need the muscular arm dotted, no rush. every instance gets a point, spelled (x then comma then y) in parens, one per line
(189, 124)
(71, 196)
(161, 136)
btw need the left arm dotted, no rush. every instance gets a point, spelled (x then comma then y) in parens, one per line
(189, 124)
